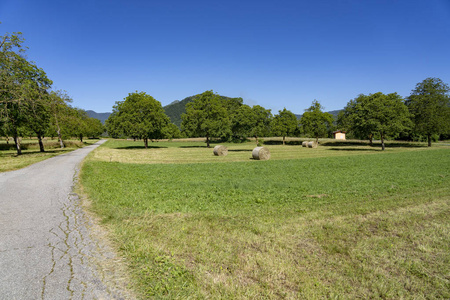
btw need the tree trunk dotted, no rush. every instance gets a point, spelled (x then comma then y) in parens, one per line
(382, 143)
(41, 144)
(256, 138)
(81, 138)
(146, 143)
(371, 140)
(317, 140)
(207, 141)
(7, 140)
(429, 140)
(58, 131)
(17, 142)
(284, 140)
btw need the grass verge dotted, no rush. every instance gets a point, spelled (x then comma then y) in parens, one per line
(334, 224)
(9, 160)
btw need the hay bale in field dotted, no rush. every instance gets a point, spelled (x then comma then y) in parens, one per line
(261, 153)
(305, 144)
(312, 145)
(220, 150)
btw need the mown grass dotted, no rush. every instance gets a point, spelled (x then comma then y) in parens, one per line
(334, 224)
(9, 160)
(186, 151)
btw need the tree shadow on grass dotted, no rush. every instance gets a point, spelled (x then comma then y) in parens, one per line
(196, 147)
(140, 147)
(375, 144)
(291, 143)
(28, 153)
(354, 149)
(240, 150)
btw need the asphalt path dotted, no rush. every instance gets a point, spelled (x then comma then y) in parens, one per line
(46, 250)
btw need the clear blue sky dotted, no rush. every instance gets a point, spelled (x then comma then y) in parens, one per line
(277, 54)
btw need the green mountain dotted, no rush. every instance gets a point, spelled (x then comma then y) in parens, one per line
(334, 113)
(176, 108)
(101, 116)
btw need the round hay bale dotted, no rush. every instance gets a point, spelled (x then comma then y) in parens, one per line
(312, 145)
(305, 144)
(261, 153)
(220, 150)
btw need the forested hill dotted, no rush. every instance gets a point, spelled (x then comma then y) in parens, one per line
(101, 116)
(334, 113)
(176, 108)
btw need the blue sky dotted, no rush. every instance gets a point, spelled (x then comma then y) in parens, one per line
(276, 54)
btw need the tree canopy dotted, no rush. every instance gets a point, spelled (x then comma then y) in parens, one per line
(386, 115)
(316, 122)
(262, 119)
(284, 124)
(429, 104)
(138, 116)
(207, 116)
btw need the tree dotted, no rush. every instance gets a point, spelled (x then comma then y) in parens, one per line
(284, 124)
(37, 102)
(59, 107)
(242, 121)
(429, 104)
(23, 90)
(262, 119)
(316, 122)
(386, 115)
(206, 116)
(139, 116)
(95, 127)
(171, 131)
(356, 118)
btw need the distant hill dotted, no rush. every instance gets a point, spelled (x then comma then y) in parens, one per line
(176, 108)
(101, 116)
(334, 113)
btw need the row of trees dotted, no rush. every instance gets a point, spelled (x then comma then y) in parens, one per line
(28, 107)
(209, 115)
(425, 112)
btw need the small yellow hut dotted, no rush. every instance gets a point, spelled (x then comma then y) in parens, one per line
(339, 135)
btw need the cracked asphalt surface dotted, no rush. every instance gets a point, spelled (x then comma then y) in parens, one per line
(46, 251)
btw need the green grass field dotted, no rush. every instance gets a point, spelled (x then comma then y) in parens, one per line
(9, 160)
(341, 221)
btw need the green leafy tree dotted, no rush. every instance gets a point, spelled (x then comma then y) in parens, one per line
(59, 110)
(356, 119)
(36, 100)
(95, 128)
(138, 116)
(284, 124)
(429, 104)
(206, 116)
(262, 119)
(386, 115)
(23, 89)
(242, 122)
(316, 122)
(171, 131)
